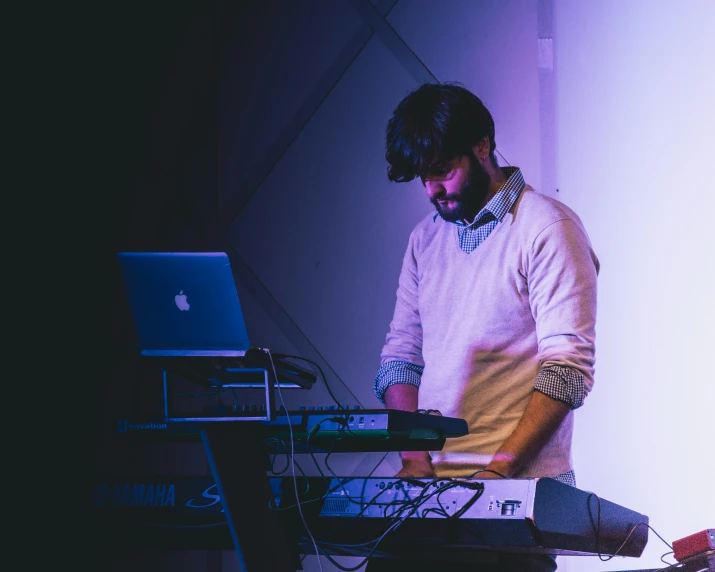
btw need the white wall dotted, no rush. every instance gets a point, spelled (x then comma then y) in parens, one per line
(636, 131)
(325, 232)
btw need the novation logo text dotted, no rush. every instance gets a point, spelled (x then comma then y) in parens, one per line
(124, 426)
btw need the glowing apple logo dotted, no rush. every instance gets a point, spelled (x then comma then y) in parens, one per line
(181, 302)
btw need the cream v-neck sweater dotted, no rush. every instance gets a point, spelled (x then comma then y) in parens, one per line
(483, 324)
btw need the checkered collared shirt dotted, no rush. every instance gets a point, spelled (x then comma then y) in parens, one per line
(473, 234)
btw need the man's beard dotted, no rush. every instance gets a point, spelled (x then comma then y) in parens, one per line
(469, 198)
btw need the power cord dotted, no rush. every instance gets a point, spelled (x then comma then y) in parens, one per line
(679, 565)
(597, 527)
(292, 457)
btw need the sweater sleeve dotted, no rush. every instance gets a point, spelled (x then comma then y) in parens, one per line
(562, 271)
(404, 339)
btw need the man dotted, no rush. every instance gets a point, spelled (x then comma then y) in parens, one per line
(496, 304)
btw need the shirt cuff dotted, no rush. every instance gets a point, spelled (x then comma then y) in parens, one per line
(563, 384)
(393, 372)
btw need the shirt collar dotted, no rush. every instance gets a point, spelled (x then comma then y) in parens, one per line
(503, 200)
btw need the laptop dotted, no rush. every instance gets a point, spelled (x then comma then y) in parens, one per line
(184, 303)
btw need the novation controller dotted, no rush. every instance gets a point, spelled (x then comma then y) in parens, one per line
(329, 429)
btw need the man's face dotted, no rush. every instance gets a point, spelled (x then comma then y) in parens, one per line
(458, 188)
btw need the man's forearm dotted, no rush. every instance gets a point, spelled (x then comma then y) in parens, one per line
(540, 420)
(403, 396)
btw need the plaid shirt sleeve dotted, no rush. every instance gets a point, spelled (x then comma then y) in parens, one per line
(393, 372)
(560, 383)
(563, 384)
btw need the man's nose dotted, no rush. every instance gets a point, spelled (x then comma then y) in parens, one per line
(434, 189)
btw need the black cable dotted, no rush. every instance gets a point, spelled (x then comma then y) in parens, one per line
(663, 556)
(630, 532)
(344, 427)
(683, 562)
(406, 510)
(292, 455)
(342, 430)
(377, 465)
(275, 455)
(486, 471)
(365, 560)
(317, 464)
(597, 527)
(427, 493)
(365, 505)
(272, 504)
(322, 374)
(475, 497)
(394, 525)
(316, 543)
(312, 432)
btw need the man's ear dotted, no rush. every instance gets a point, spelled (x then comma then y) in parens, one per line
(482, 148)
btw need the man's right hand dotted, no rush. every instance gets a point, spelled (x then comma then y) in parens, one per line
(416, 468)
(403, 396)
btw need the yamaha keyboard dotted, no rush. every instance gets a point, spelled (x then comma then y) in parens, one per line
(455, 517)
(445, 517)
(320, 430)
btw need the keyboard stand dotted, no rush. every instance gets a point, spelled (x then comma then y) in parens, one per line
(239, 462)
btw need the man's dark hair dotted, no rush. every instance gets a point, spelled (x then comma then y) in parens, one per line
(432, 125)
